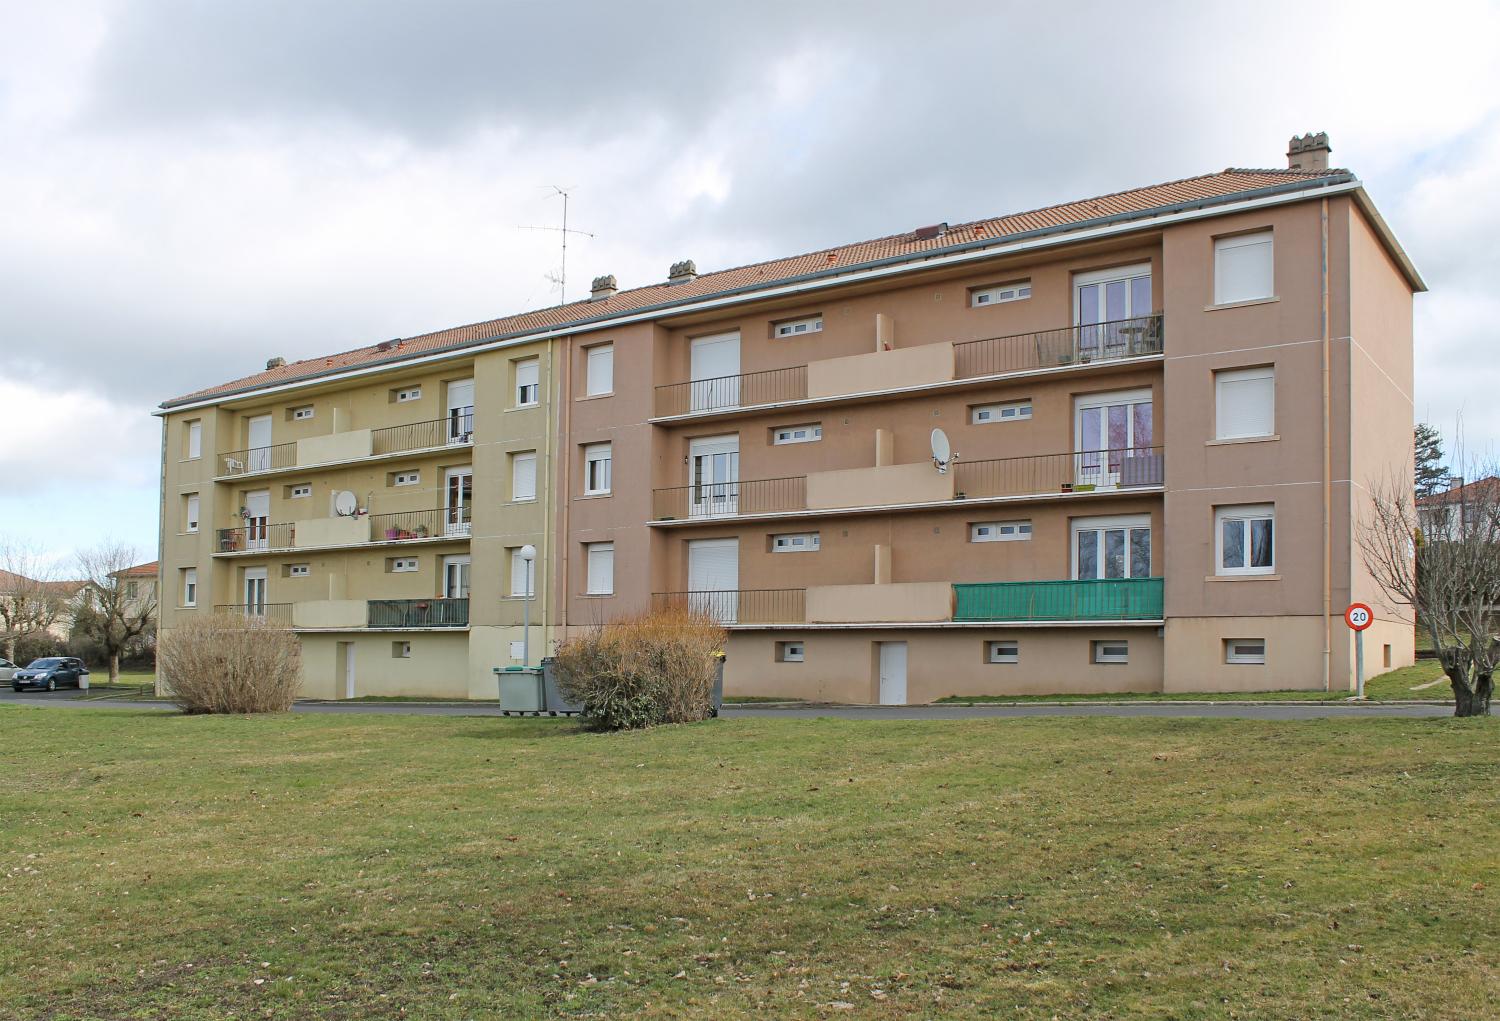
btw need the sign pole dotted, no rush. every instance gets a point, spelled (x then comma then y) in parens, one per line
(1359, 616)
(1359, 663)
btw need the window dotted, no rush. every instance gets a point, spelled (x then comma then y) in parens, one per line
(1242, 268)
(194, 439)
(808, 433)
(1246, 539)
(597, 462)
(303, 413)
(798, 327)
(523, 476)
(601, 370)
(795, 542)
(1011, 412)
(1000, 531)
(601, 567)
(190, 586)
(790, 652)
(528, 383)
(408, 478)
(1002, 652)
(299, 491)
(407, 394)
(190, 515)
(1014, 291)
(298, 570)
(131, 588)
(1112, 547)
(401, 650)
(1111, 651)
(1244, 650)
(1114, 436)
(1244, 403)
(519, 574)
(403, 565)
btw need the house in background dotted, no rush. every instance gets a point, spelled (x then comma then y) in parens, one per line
(141, 586)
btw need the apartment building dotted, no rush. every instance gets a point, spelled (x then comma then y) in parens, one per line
(1120, 444)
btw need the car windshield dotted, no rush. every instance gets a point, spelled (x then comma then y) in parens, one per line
(43, 664)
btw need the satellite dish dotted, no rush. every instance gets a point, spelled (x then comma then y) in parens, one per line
(345, 503)
(942, 452)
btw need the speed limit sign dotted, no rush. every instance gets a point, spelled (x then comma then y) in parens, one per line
(1358, 616)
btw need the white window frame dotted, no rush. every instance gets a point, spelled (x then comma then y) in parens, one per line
(303, 413)
(596, 556)
(796, 542)
(1000, 294)
(405, 395)
(1102, 654)
(299, 570)
(797, 327)
(518, 577)
(595, 453)
(1000, 531)
(1002, 651)
(1244, 514)
(405, 565)
(1237, 243)
(1235, 651)
(599, 370)
(1125, 522)
(195, 439)
(190, 586)
(532, 390)
(1222, 430)
(192, 512)
(518, 459)
(787, 434)
(793, 651)
(407, 478)
(301, 491)
(1006, 411)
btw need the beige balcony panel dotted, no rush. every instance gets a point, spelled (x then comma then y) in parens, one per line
(905, 602)
(331, 531)
(888, 486)
(345, 446)
(881, 370)
(329, 613)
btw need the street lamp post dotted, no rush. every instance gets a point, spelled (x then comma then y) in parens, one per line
(528, 555)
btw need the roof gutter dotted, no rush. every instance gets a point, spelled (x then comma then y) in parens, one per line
(969, 251)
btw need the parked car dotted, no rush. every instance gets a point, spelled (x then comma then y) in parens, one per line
(51, 672)
(7, 669)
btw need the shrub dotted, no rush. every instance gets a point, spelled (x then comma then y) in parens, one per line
(641, 671)
(230, 664)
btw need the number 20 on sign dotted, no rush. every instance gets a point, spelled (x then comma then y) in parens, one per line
(1358, 616)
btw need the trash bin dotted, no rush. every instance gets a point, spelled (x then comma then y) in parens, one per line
(520, 689)
(717, 699)
(552, 696)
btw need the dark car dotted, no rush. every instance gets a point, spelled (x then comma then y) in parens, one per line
(51, 672)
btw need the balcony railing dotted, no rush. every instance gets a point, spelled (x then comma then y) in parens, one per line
(1078, 472)
(740, 606)
(253, 537)
(720, 499)
(1049, 349)
(270, 614)
(1102, 599)
(746, 390)
(258, 459)
(418, 613)
(421, 524)
(457, 428)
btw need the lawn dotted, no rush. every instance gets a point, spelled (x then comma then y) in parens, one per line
(162, 866)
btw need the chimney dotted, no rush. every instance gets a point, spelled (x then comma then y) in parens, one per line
(1455, 482)
(1308, 152)
(275, 363)
(682, 272)
(604, 287)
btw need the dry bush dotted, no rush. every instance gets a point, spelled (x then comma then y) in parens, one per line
(230, 664)
(641, 671)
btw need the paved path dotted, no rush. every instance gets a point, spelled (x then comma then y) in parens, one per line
(1253, 711)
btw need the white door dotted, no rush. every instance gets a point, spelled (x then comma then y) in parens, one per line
(715, 372)
(715, 466)
(1110, 309)
(1110, 430)
(893, 673)
(255, 591)
(458, 493)
(259, 441)
(460, 411)
(258, 519)
(456, 577)
(714, 578)
(347, 650)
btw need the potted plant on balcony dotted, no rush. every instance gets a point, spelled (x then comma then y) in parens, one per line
(421, 532)
(393, 532)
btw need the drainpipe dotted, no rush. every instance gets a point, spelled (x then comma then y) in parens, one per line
(161, 543)
(565, 390)
(1327, 462)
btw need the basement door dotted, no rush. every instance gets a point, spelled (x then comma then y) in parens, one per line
(893, 673)
(714, 578)
(715, 372)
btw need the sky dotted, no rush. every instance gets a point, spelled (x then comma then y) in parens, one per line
(188, 188)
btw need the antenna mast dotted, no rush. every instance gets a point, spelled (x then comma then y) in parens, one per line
(562, 278)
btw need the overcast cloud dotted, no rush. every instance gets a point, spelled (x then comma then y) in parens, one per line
(189, 188)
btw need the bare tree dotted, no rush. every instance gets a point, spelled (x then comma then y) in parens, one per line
(32, 599)
(111, 613)
(1442, 558)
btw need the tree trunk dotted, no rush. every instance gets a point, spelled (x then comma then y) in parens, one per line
(1473, 701)
(114, 668)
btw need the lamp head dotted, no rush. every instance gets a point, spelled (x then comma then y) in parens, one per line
(528, 553)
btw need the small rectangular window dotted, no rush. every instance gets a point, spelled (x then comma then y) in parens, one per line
(798, 327)
(302, 414)
(1245, 537)
(190, 515)
(600, 557)
(401, 650)
(1244, 650)
(601, 370)
(597, 468)
(523, 476)
(406, 478)
(1000, 531)
(190, 586)
(1002, 652)
(299, 491)
(790, 652)
(528, 383)
(809, 432)
(298, 570)
(1011, 411)
(402, 565)
(1016, 290)
(1112, 651)
(194, 439)
(1243, 268)
(795, 542)
(1244, 403)
(405, 395)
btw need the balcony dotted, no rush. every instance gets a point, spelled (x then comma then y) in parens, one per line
(403, 526)
(331, 533)
(351, 445)
(418, 613)
(921, 366)
(278, 615)
(1111, 599)
(739, 606)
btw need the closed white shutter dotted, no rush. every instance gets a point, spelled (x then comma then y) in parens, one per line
(601, 369)
(460, 394)
(523, 477)
(1243, 268)
(1244, 403)
(518, 573)
(192, 513)
(195, 440)
(601, 568)
(714, 565)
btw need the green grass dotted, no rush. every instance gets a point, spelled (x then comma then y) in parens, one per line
(342, 867)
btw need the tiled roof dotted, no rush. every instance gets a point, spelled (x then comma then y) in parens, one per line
(763, 274)
(140, 571)
(1484, 488)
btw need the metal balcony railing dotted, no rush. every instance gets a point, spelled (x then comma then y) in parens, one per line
(1102, 599)
(258, 537)
(1049, 349)
(418, 613)
(740, 606)
(270, 614)
(457, 428)
(420, 524)
(746, 390)
(718, 499)
(258, 459)
(1077, 472)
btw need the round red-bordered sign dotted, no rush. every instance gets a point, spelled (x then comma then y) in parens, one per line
(1359, 616)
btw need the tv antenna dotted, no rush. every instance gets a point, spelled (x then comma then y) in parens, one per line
(561, 277)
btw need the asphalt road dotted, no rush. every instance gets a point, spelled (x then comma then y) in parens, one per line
(1219, 710)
